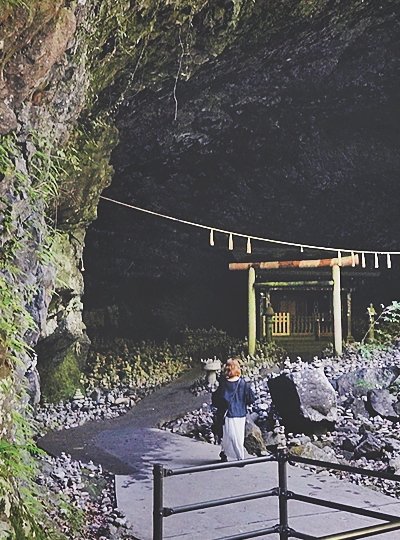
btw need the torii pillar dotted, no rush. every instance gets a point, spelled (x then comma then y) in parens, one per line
(252, 314)
(337, 310)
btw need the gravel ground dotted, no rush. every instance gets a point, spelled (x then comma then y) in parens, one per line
(328, 446)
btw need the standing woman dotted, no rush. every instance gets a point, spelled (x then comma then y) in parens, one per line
(232, 397)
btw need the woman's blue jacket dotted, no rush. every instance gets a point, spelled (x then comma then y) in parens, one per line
(233, 396)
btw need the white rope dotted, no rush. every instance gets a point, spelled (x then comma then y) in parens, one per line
(248, 236)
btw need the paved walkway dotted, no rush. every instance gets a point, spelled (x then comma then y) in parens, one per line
(119, 444)
(129, 446)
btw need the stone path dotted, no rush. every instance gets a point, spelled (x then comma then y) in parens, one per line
(129, 446)
(109, 442)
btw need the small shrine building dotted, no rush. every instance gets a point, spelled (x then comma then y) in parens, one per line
(302, 298)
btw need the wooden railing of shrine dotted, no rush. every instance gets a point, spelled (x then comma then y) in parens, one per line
(281, 324)
(285, 324)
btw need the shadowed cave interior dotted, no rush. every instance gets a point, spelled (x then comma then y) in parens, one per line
(293, 136)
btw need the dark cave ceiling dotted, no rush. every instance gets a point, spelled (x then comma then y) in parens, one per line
(292, 136)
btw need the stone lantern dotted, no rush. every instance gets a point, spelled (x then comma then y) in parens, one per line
(211, 366)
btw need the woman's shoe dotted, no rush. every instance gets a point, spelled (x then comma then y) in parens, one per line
(223, 457)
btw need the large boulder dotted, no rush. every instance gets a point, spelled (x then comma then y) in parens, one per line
(358, 383)
(305, 400)
(382, 403)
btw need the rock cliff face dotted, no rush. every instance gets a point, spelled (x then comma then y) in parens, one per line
(57, 60)
(65, 67)
(43, 92)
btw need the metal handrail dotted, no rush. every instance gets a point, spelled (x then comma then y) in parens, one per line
(283, 458)
(220, 502)
(215, 466)
(345, 468)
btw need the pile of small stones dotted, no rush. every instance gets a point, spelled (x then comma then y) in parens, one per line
(81, 487)
(77, 482)
(380, 450)
(100, 404)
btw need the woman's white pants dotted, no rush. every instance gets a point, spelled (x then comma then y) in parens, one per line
(233, 437)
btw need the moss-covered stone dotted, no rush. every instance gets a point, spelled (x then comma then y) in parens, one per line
(21, 21)
(28, 69)
(60, 381)
(86, 172)
(63, 348)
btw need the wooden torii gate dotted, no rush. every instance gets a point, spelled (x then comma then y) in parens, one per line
(335, 263)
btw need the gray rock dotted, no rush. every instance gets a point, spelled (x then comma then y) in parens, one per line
(186, 428)
(358, 408)
(312, 451)
(350, 442)
(120, 522)
(359, 382)
(348, 428)
(394, 465)
(382, 402)
(33, 386)
(110, 398)
(370, 447)
(122, 401)
(304, 439)
(396, 407)
(392, 445)
(270, 439)
(305, 400)
(58, 473)
(8, 120)
(253, 441)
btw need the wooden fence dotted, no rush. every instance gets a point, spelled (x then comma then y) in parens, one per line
(285, 324)
(281, 324)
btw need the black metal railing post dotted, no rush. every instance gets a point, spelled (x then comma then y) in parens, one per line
(283, 506)
(158, 501)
